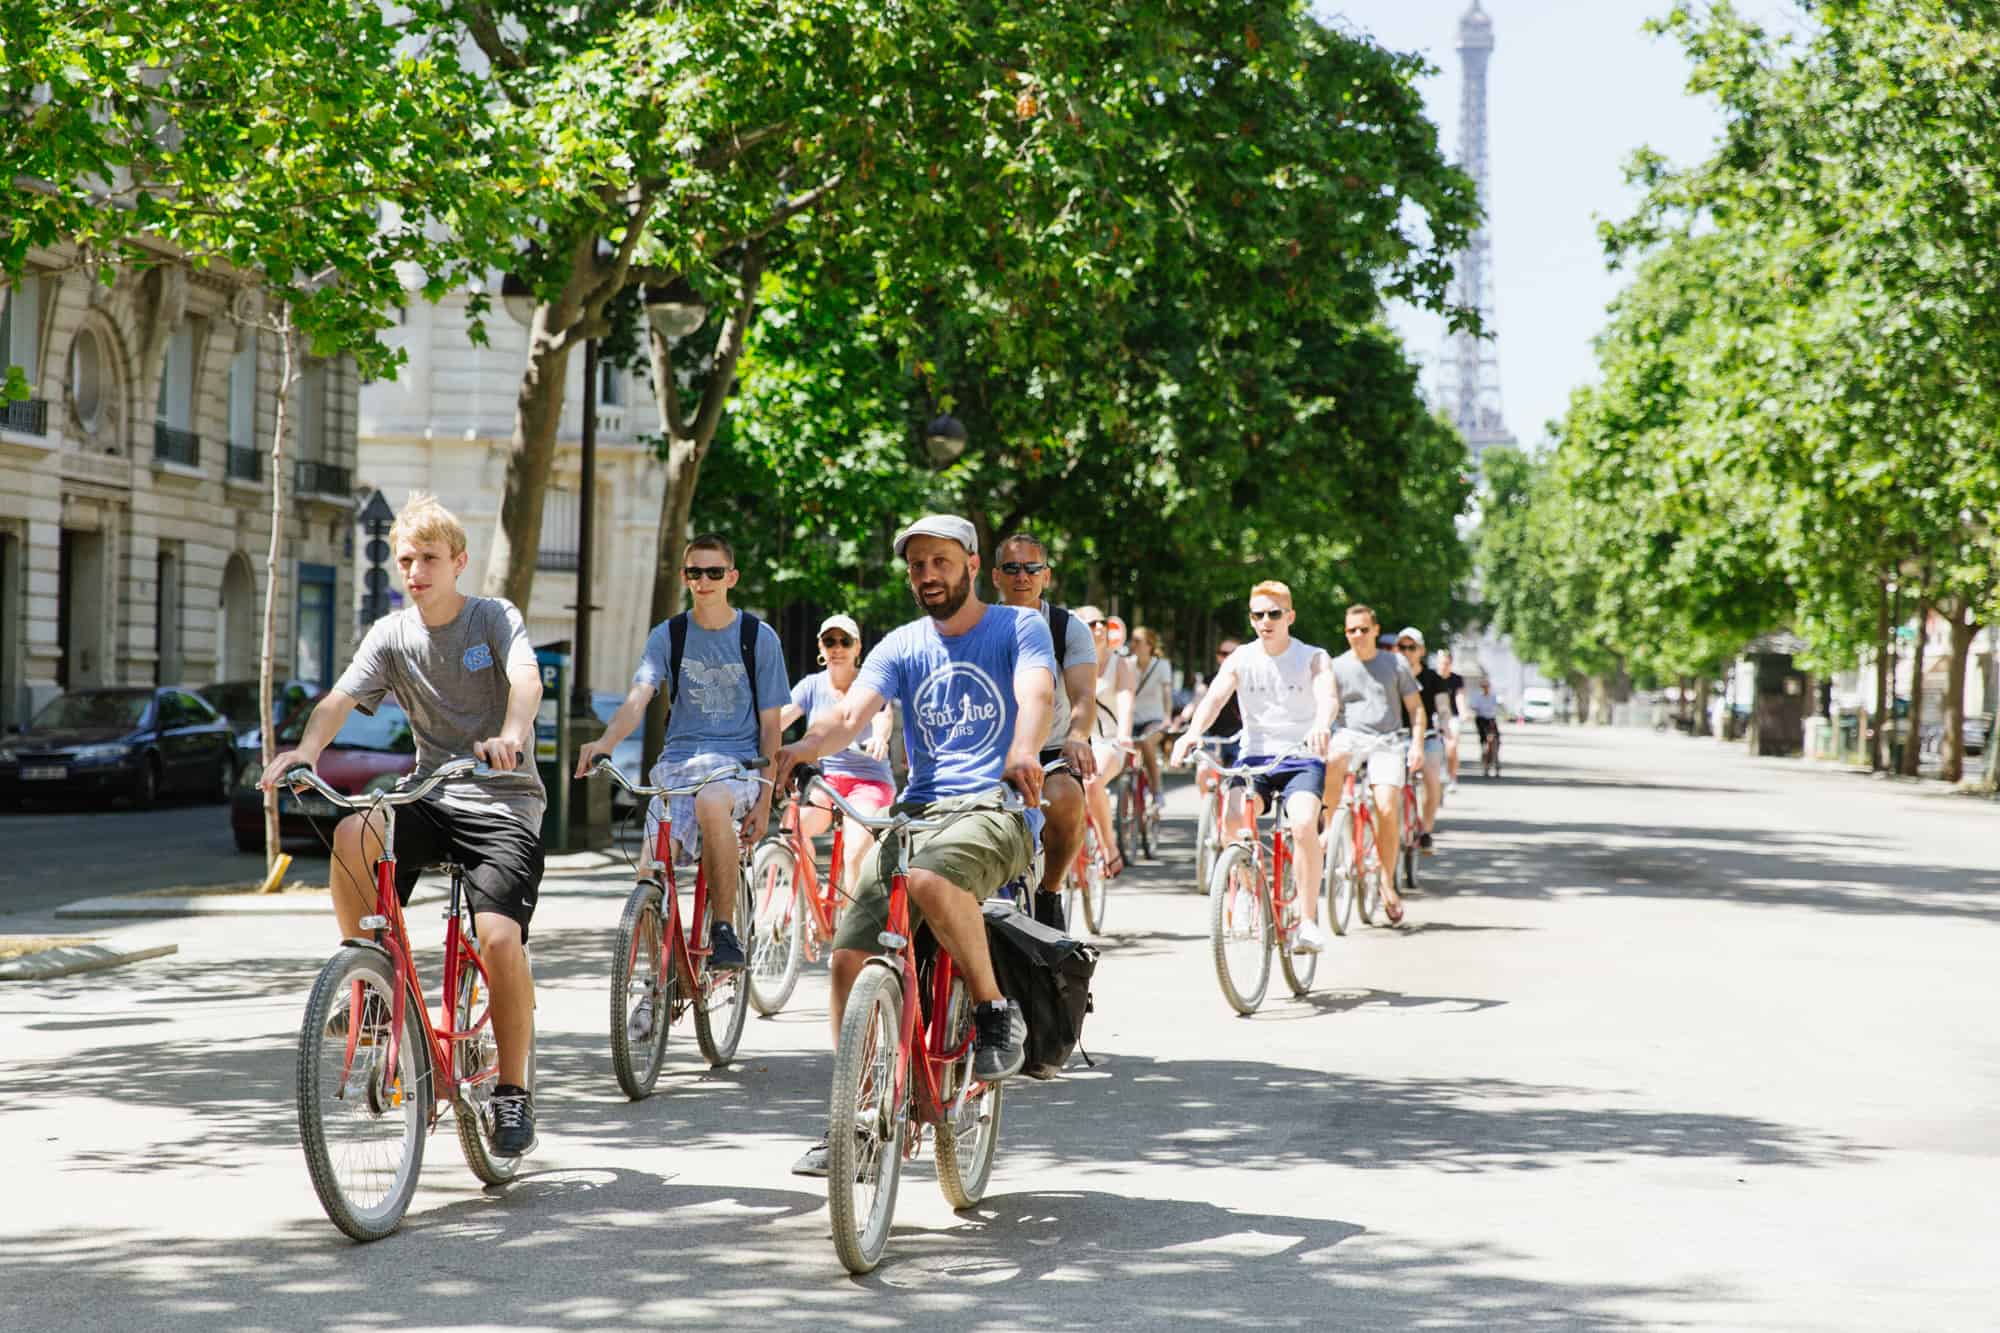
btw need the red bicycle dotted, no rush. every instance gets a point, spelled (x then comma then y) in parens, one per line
(1411, 832)
(1208, 834)
(659, 968)
(795, 911)
(1087, 886)
(1353, 859)
(904, 1062)
(375, 1070)
(1136, 807)
(1253, 899)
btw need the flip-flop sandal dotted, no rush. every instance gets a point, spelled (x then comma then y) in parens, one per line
(1114, 867)
(1394, 911)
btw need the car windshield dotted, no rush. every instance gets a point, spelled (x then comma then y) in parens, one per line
(108, 708)
(388, 730)
(236, 701)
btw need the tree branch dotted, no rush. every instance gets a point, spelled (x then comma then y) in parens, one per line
(716, 393)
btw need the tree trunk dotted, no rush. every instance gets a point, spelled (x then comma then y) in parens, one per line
(1913, 737)
(266, 728)
(687, 445)
(1964, 629)
(1703, 695)
(517, 535)
(1685, 705)
(1579, 688)
(1877, 760)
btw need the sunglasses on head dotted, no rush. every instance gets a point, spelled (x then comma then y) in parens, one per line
(1016, 568)
(693, 572)
(836, 640)
(1275, 613)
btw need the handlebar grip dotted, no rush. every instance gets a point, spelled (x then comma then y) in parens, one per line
(804, 774)
(759, 762)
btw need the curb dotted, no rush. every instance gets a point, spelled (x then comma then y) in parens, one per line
(52, 963)
(142, 907)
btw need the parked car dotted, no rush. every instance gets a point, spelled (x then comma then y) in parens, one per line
(131, 743)
(237, 701)
(625, 758)
(1538, 704)
(367, 754)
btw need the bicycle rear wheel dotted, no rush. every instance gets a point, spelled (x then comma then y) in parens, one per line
(1239, 930)
(1368, 898)
(1127, 817)
(644, 987)
(362, 1123)
(1146, 814)
(969, 1136)
(773, 887)
(1337, 883)
(1299, 968)
(865, 1127)
(473, 1057)
(1207, 843)
(723, 998)
(1412, 852)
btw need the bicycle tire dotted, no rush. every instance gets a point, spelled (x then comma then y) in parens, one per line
(1126, 818)
(1096, 896)
(1236, 904)
(1299, 968)
(1337, 881)
(321, 1053)
(864, 1134)
(965, 1150)
(1207, 843)
(640, 971)
(1368, 896)
(1143, 801)
(781, 939)
(1412, 850)
(725, 995)
(474, 1111)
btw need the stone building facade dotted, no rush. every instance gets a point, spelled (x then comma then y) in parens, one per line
(444, 424)
(135, 487)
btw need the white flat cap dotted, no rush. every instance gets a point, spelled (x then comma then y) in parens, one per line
(948, 526)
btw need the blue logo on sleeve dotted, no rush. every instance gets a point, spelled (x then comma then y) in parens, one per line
(478, 657)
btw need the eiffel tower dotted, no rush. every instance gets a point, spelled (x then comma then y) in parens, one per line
(1472, 393)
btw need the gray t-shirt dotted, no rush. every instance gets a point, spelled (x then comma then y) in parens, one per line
(1371, 692)
(452, 681)
(1081, 647)
(712, 713)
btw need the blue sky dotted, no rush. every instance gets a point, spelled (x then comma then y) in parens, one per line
(1574, 87)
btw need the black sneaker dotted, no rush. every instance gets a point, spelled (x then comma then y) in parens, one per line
(513, 1121)
(1049, 911)
(724, 953)
(1424, 842)
(1001, 1047)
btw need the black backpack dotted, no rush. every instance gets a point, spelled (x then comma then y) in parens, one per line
(1048, 974)
(1059, 630)
(677, 636)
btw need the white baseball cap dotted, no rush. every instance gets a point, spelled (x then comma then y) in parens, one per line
(838, 621)
(1412, 633)
(948, 526)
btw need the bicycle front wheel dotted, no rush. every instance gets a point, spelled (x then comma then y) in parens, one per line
(781, 926)
(643, 989)
(970, 1134)
(1148, 815)
(1368, 898)
(865, 1123)
(1207, 843)
(361, 1122)
(476, 1060)
(1239, 929)
(723, 998)
(1299, 968)
(1127, 817)
(1337, 883)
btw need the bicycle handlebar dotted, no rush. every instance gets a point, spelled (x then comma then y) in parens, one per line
(302, 775)
(1202, 757)
(738, 769)
(809, 781)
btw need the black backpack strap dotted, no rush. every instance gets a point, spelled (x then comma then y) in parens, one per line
(1059, 628)
(677, 643)
(747, 641)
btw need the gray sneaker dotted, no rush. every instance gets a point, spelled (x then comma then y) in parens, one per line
(814, 1162)
(1002, 1044)
(639, 1023)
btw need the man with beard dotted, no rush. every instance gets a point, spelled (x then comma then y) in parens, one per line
(977, 687)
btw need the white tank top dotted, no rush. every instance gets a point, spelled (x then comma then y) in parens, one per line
(1275, 694)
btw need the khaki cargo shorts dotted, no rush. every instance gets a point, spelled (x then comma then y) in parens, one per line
(978, 853)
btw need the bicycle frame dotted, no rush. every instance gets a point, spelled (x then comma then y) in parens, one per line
(1280, 855)
(927, 1104)
(821, 899)
(677, 950)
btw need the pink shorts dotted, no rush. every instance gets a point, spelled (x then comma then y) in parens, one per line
(884, 794)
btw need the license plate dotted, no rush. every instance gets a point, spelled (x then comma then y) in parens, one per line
(315, 805)
(44, 773)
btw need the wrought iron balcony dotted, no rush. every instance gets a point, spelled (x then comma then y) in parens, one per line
(30, 416)
(245, 463)
(176, 446)
(556, 560)
(317, 478)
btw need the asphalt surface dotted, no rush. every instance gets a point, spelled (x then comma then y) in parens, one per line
(54, 854)
(1676, 1039)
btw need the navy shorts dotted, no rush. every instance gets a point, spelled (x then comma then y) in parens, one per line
(1281, 784)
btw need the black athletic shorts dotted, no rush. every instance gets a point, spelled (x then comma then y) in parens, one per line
(1487, 726)
(501, 856)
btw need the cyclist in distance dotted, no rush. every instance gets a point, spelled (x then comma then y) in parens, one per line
(1371, 684)
(463, 670)
(1228, 722)
(1485, 708)
(977, 687)
(1111, 732)
(1286, 686)
(1436, 695)
(1022, 574)
(724, 673)
(1454, 685)
(1152, 702)
(860, 773)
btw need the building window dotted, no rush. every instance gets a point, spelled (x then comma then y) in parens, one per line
(21, 326)
(243, 460)
(314, 660)
(311, 408)
(174, 440)
(86, 378)
(610, 385)
(558, 549)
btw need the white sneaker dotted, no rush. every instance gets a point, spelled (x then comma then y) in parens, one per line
(1311, 938)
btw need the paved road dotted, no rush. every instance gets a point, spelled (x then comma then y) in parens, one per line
(1677, 1039)
(55, 855)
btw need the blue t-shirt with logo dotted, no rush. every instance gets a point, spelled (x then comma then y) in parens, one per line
(957, 696)
(813, 696)
(712, 714)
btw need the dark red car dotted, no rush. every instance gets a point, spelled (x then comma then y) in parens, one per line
(368, 754)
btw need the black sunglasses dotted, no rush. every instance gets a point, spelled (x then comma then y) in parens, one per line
(1275, 613)
(1099, 624)
(693, 572)
(1407, 647)
(1016, 568)
(836, 641)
